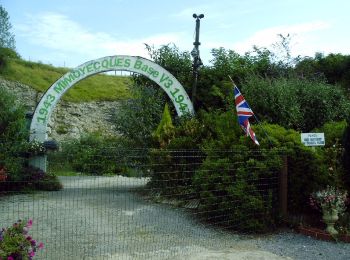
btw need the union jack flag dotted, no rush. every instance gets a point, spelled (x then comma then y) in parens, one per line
(244, 112)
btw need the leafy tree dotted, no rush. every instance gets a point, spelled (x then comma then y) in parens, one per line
(165, 130)
(214, 91)
(7, 39)
(137, 117)
(334, 68)
(291, 102)
(178, 63)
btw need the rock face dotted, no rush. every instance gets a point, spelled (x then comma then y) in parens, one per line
(68, 120)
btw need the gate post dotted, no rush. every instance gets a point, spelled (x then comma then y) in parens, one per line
(283, 188)
(38, 161)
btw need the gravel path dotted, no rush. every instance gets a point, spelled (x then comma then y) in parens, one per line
(102, 218)
(302, 247)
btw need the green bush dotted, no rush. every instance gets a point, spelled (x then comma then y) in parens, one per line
(5, 55)
(137, 118)
(228, 173)
(209, 159)
(232, 199)
(296, 103)
(36, 179)
(236, 188)
(332, 152)
(94, 154)
(13, 134)
(248, 164)
(333, 132)
(14, 148)
(50, 182)
(174, 164)
(346, 156)
(308, 168)
(165, 130)
(31, 179)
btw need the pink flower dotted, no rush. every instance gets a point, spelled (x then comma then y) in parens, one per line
(10, 258)
(29, 223)
(32, 254)
(41, 245)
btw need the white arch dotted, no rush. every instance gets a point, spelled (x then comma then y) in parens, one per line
(173, 88)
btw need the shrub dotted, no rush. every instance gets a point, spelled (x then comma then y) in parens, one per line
(217, 168)
(137, 118)
(95, 154)
(5, 55)
(236, 188)
(333, 150)
(174, 164)
(32, 178)
(13, 134)
(296, 103)
(37, 179)
(333, 131)
(346, 156)
(221, 172)
(165, 130)
(50, 182)
(16, 243)
(307, 168)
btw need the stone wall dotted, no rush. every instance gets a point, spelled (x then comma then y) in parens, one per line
(68, 120)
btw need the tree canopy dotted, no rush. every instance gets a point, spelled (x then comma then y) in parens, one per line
(7, 39)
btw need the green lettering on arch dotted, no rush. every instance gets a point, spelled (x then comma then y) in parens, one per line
(60, 86)
(69, 79)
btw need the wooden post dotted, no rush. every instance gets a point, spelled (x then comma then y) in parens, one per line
(283, 188)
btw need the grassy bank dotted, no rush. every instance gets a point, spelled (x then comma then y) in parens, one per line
(41, 76)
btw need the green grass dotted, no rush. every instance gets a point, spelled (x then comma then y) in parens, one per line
(67, 173)
(40, 76)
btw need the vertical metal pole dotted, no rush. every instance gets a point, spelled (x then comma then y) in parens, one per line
(197, 62)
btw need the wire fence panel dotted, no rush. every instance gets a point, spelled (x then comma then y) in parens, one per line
(146, 203)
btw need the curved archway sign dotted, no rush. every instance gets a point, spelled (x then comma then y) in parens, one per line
(43, 111)
(173, 88)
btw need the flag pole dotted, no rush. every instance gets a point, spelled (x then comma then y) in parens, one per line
(257, 120)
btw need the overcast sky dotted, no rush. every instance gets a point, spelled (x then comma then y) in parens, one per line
(71, 32)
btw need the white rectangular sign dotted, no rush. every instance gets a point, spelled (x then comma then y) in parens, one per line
(313, 139)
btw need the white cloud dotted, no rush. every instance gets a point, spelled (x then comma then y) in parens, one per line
(304, 37)
(57, 39)
(60, 34)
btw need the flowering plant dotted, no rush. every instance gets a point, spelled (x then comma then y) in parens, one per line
(16, 244)
(35, 147)
(329, 199)
(3, 174)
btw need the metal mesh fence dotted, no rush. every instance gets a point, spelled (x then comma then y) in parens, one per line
(145, 203)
